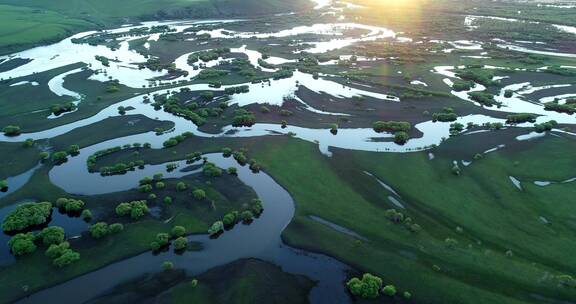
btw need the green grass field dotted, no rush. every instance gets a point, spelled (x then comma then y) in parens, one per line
(22, 27)
(493, 214)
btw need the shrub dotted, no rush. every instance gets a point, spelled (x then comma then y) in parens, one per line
(136, 209)
(98, 230)
(180, 243)
(86, 214)
(211, 170)
(247, 216)
(56, 250)
(391, 126)
(483, 98)
(11, 130)
(216, 228)
(167, 265)
(161, 240)
(401, 137)
(520, 118)
(59, 157)
(181, 186)
(389, 290)
(178, 231)
(199, 194)
(68, 257)
(115, 228)
(229, 219)
(70, 205)
(545, 126)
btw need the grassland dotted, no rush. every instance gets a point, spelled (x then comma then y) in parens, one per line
(23, 27)
(17, 159)
(492, 214)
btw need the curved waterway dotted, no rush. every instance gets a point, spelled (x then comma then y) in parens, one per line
(261, 240)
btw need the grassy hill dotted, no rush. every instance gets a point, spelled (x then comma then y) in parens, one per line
(27, 23)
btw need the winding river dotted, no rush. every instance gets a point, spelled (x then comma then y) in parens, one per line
(261, 239)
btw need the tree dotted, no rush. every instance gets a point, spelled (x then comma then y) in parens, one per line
(247, 216)
(115, 228)
(168, 200)
(28, 143)
(123, 209)
(11, 130)
(145, 188)
(334, 128)
(181, 186)
(194, 283)
(391, 126)
(389, 290)
(211, 170)
(227, 152)
(368, 287)
(59, 157)
(216, 228)
(407, 295)
(401, 137)
(44, 155)
(74, 149)
(257, 207)
(161, 240)
(3, 185)
(68, 257)
(56, 250)
(136, 209)
(98, 230)
(167, 265)
(199, 194)
(160, 185)
(180, 243)
(178, 231)
(52, 235)
(22, 244)
(86, 214)
(229, 219)
(27, 215)
(69, 205)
